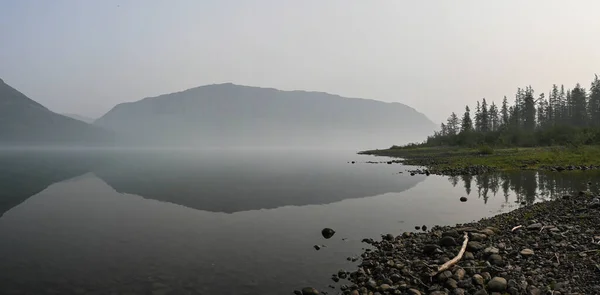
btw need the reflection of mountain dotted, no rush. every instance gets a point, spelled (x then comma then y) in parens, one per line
(24, 174)
(529, 186)
(245, 185)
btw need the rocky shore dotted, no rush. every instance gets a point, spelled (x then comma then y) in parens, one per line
(550, 247)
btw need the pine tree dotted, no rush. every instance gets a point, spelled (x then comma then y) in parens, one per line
(542, 111)
(553, 105)
(453, 124)
(517, 110)
(562, 116)
(504, 112)
(579, 106)
(528, 110)
(443, 129)
(485, 120)
(594, 104)
(466, 122)
(568, 112)
(494, 119)
(478, 117)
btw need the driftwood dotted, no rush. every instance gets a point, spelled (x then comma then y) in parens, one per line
(454, 260)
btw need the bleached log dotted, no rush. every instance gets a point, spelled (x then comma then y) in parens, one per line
(454, 260)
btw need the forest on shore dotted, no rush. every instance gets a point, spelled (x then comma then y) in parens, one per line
(567, 117)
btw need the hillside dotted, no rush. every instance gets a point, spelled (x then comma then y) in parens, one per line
(80, 118)
(25, 122)
(232, 115)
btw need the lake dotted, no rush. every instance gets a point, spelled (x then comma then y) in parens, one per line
(223, 222)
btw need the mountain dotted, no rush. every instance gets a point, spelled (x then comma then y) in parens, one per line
(26, 122)
(232, 115)
(80, 118)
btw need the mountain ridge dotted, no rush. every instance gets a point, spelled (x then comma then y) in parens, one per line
(24, 122)
(241, 114)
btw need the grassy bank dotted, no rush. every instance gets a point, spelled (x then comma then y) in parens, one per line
(440, 158)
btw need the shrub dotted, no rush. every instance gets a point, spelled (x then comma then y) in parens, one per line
(485, 150)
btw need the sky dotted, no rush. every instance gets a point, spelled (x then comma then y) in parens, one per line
(84, 57)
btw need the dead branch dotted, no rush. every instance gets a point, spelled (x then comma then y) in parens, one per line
(557, 260)
(454, 260)
(516, 227)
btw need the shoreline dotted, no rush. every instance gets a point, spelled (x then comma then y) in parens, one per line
(550, 247)
(455, 161)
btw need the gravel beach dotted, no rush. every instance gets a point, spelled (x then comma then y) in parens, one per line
(551, 247)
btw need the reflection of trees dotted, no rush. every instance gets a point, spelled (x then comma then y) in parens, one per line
(529, 186)
(467, 179)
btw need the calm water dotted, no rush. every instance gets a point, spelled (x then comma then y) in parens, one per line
(222, 223)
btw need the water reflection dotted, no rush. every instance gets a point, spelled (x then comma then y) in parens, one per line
(24, 174)
(234, 184)
(527, 187)
(205, 181)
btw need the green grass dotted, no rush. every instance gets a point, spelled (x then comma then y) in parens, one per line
(501, 158)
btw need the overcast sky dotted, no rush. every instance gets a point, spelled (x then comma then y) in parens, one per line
(86, 56)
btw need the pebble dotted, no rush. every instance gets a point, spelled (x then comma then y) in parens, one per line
(496, 259)
(491, 250)
(459, 274)
(478, 280)
(474, 246)
(497, 284)
(448, 241)
(527, 252)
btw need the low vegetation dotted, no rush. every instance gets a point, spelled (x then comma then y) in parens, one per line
(440, 158)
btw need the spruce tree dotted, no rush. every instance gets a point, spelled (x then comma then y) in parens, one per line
(453, 124)
(579, 106)
(528, 109)
(485, 120)
(478, 117)
(504, 112)
(594, 103)
(466, 123)
(494, 119)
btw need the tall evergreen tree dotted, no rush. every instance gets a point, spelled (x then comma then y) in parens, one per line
(562, 116)
(466, 122)
(478, 117)
(485, 120)
(528, 109)
(594, 103)
(568, 111)
(542, 111)
(553, 105)
(494, 118)
(579, 106)
(504, 112)
(443, 130)
(453, 124)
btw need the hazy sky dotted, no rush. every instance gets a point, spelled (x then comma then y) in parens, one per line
(86, 56)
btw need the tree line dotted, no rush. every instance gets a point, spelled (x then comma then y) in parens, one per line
(562, 117)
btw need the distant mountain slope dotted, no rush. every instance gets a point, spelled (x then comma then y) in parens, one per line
(80, 118)
(26, 122)
(233, 115)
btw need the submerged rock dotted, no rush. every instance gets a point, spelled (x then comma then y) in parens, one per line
(327, 233)
(310, 291)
